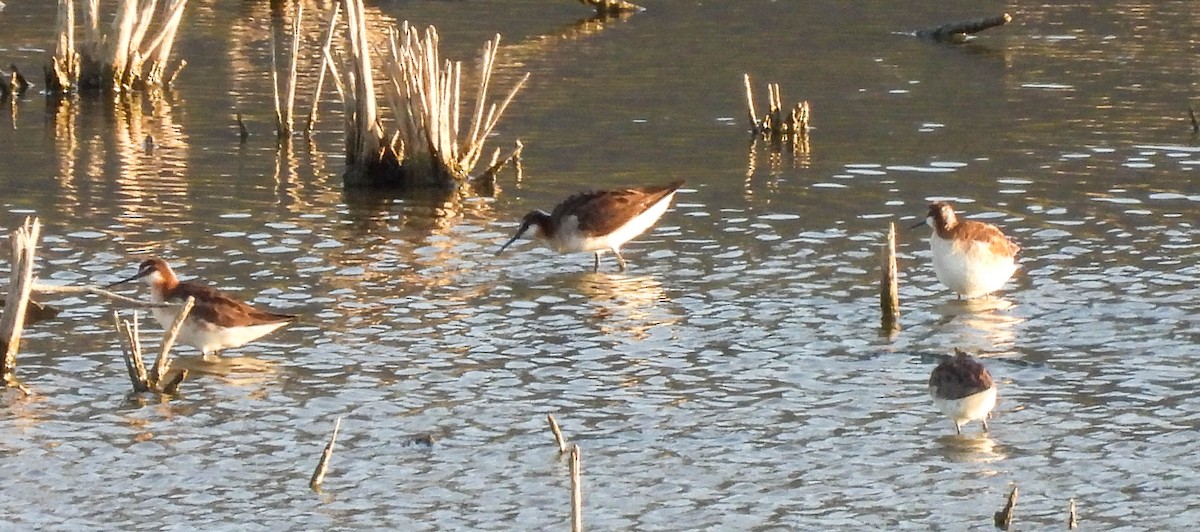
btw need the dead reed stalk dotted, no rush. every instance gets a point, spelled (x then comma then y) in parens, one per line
(24, 241)
(156, 379)
(318, 475)
(326, 64)
(889, 289)
(558, 436)
(285, 103)
(1004, 517)
(576, 492)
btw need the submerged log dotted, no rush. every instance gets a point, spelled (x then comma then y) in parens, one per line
(957, 32)
(36, 312)
(612, 7)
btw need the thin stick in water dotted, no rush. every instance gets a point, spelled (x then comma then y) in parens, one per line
(318, 475)
(1072, 524)
(163, 362)
(576, 492)
(889, 292)
(558, 437)
(326, 64)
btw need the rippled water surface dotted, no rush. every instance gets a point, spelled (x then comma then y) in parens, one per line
(733, 378)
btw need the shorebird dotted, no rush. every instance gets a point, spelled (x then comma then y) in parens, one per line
(599, 220)
(963, 390)
(971, 258)
(217, 320)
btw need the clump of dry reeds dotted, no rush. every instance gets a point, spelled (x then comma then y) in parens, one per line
(428, 143)
(130, 56)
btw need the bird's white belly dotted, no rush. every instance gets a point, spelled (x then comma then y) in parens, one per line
(569, 239)
(968, 408)
(970, 269)
(207, 337)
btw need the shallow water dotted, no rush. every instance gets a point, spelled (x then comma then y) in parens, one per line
(734, 378)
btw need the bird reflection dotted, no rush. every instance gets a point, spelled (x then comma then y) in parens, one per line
(982, 323)
(973, 448)
(236, 370)
(624, 304)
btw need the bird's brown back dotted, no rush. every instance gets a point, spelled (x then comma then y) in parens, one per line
(601, 212)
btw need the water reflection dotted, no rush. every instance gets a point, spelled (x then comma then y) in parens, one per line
(238, 370)
(969, 448)
(626, 305)
(985, 323)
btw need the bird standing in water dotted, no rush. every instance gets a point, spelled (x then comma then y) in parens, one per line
(599, 220)
(963, 390)
(971, 258)
(217, 320)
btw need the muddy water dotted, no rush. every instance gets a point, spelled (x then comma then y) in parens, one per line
(733, 378)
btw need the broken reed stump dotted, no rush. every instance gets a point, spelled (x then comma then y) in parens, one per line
(485, 183)
(576, 492)
(1004, 517)
(16, 84)
(318, 475)
(558, 436)
(775, 124)
(158, 379)
(428, 145)
(24, 241)
(608, 8)
(957, 32)
(1072, 524)
(889, 289)
(285, 100)
(1195, 123)
(128, 58)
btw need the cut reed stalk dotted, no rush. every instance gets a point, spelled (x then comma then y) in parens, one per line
(156, 379)
(1072, 523)
(889, 290)
(318, 475)
(1004, 517)
(576, 492)
(558, 436)
(163, 362)
(24, 241)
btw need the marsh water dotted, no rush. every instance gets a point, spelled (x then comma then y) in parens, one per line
(734, 378)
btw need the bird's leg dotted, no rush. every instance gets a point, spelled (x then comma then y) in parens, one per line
(985, 427)
(958, 427)
(620, 259)
(596, 268)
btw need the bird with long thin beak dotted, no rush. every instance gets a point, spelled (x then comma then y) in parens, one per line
(599, 220)
(217, 320)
